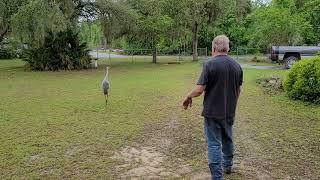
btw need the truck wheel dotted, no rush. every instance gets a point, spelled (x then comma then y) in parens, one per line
(290, 61)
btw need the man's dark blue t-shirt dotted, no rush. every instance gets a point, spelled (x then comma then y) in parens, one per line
(223, 77)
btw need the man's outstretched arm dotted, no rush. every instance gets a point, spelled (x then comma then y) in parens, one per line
(197, 91)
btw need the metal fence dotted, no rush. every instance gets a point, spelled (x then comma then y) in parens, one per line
(146, 54)
(243, 54)
(246, 54)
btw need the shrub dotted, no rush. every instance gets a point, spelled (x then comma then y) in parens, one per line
(61, 51)
(259, 59)
(302, 81)
(6, 53)
(271, 84)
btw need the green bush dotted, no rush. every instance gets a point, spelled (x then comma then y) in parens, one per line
(259, 59)
(6, 53)
(302, 81)
(61, 51)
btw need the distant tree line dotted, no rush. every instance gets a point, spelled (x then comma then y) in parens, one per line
(170, 24)
(162, 24)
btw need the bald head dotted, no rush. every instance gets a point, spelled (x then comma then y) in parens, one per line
(220, 44)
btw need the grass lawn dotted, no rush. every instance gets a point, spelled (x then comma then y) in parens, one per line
(56, 125)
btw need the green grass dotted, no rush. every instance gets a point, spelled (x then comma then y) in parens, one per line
(55, 124)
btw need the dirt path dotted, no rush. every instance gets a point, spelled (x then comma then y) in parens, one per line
(160, 152)
(149, 157)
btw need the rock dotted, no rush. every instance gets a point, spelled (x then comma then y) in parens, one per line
(134, 151)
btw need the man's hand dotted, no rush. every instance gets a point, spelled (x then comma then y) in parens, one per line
(197, 91)
(187, 102)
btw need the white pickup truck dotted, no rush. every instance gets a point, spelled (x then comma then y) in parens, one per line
(288, 55)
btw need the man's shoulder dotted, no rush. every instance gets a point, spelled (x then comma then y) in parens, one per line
(208, 61)
(230, 60)
(212, 60)
(219, 60)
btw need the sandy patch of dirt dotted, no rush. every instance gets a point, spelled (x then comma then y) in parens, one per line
(146, 162)
(148, 157)
(201, 176)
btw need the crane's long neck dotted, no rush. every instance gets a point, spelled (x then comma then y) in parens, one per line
(107, 74)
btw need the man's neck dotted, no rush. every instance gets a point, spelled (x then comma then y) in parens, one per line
(218, 54)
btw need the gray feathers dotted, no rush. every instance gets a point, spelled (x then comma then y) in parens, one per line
(106, 86)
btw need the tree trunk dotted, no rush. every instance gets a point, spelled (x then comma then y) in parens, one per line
(3, 32)
(195, 41)
(154, 52)
(105, 43)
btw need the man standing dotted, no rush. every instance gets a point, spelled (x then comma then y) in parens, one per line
(220, 79)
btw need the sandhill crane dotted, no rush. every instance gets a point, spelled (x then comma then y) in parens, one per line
(106, 85)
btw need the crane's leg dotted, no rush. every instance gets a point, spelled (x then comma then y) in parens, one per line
(106, 97)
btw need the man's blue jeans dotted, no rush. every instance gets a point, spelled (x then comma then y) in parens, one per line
(220, 145)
